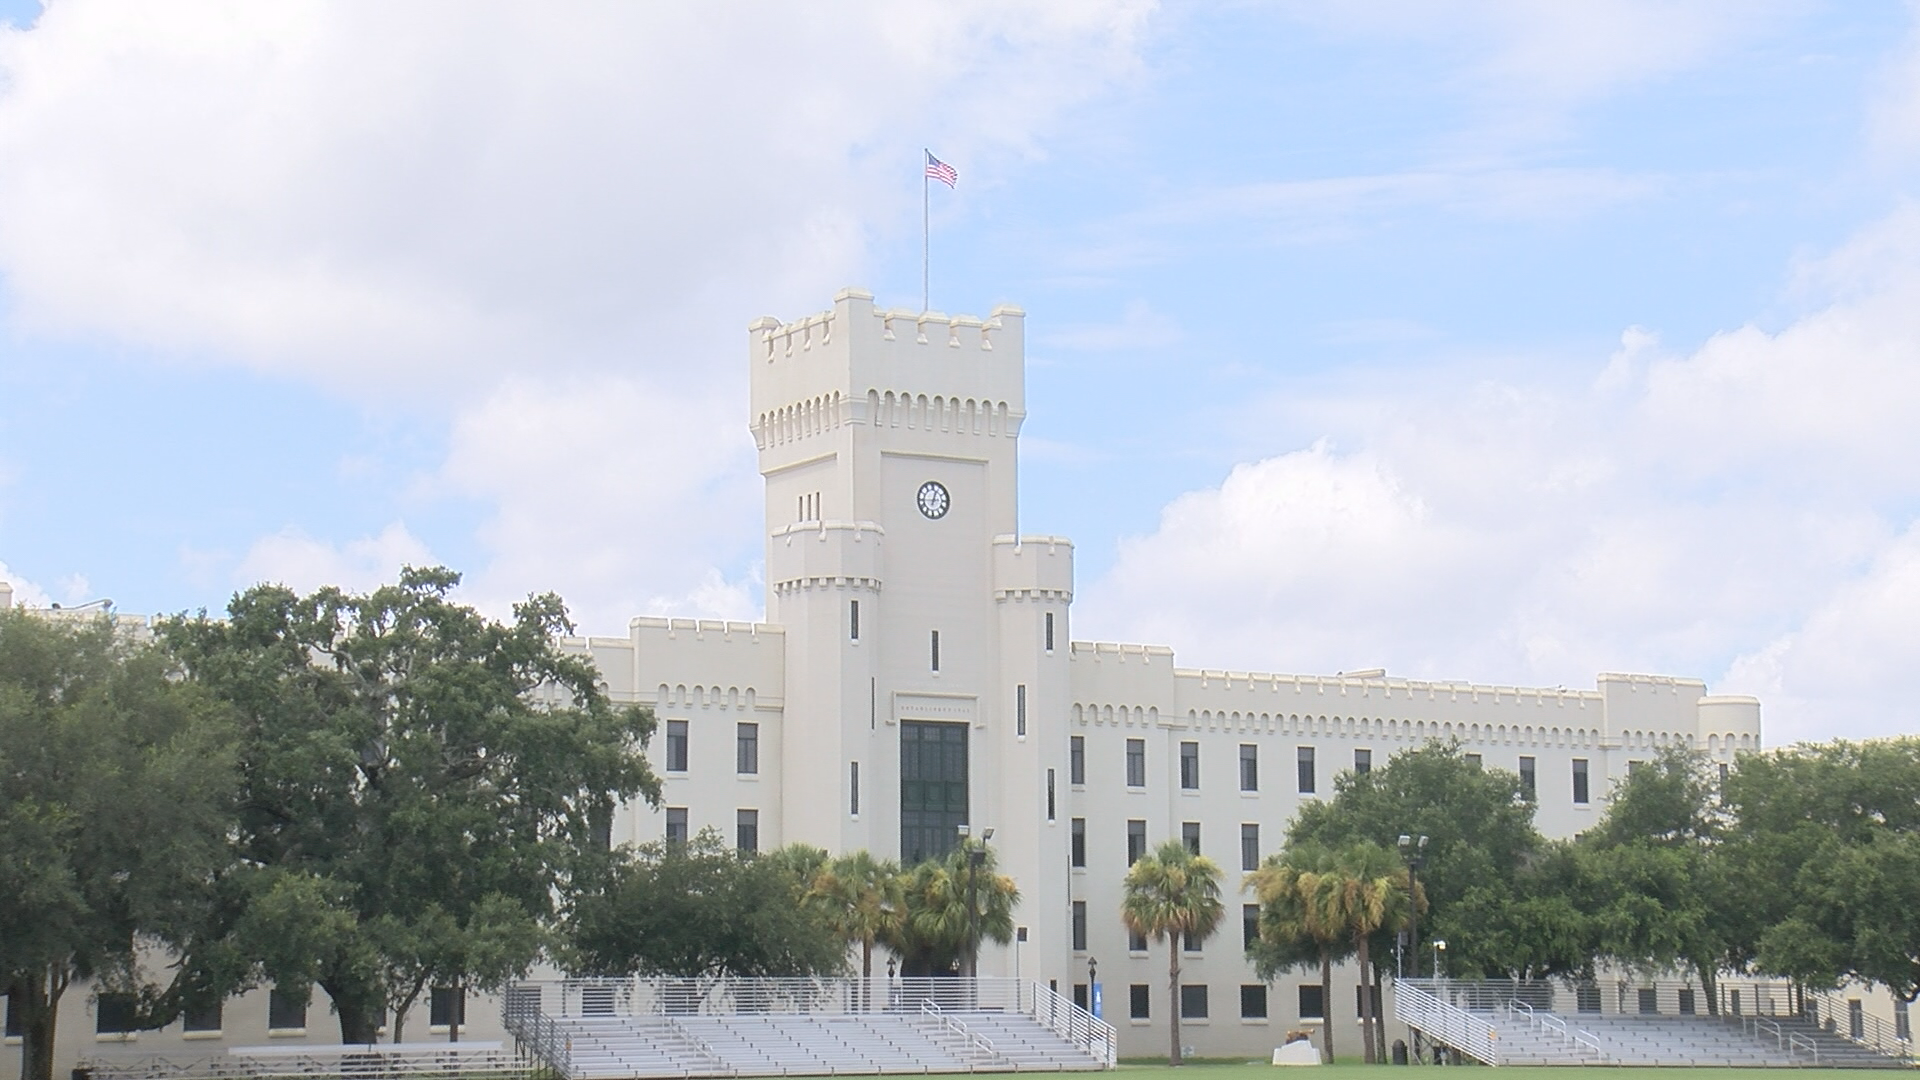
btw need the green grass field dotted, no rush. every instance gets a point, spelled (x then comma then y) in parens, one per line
(1262, 1071)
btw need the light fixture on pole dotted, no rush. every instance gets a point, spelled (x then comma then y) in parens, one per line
(1439, 947)
(1414, 851)
(976, 858)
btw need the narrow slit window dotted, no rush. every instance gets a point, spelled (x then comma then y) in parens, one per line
(853, 788)
(934, 647)
(1050, 797)
(1020, 712)
(853, 620)
(1049, 632)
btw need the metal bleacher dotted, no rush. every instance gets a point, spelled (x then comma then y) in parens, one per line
(1539, 1023)
(594, 1029)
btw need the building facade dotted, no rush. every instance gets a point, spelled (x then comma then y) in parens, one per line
(916, 673)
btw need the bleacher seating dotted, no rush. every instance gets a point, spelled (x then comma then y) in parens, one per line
(1614, 1039)
(607, 1047)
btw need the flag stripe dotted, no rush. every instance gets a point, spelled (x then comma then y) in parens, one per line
(941, 171)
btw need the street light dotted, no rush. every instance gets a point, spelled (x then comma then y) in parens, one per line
(1414, 851)
(1439, 946)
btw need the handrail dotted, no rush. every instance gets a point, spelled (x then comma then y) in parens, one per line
(1875, 1033)
(1554, 1023)
(967, 1034)
(699, 1043)
(1073, 1023)
(1515, 1004)
(1797, 1042)
(1588, 1039)
(1420, 1008)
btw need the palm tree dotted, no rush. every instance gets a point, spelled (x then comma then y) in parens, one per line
(935, 930)
(1174, 894)
(864, 900)
(1365, 891)
(1298, 925)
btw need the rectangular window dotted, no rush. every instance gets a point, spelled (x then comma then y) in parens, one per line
(1362, 762)
(1137, 998)
(1049, 632)
(1136, 763)
(1249, 767)
(1634, 767)
(600, 823)
(676, 824)
(1077, 856)
(1077, 760)
(1136, 942)
(746, 830)
(286, 1012)
(1359, 1000)
(853, 620)
(1136, 840)
(1079, 926)
(853, 788)
(1190, 766)
(1313, 1002)
(1580, 781)
(446, 1007)
(1249, 925)
(1304, 765)
(1253, 1001)
(1193, 1001)
(1020, 710)
(1473, 760)
(1190, 835)
(1249, 845)
(1527, 778)
(1902, 1022)
(1080, 997)
(746, 749)
(933, 788)
(676, 746)
(934, 646)
(114, 1014)
(205, 1016)
(1723, 772)
(13, 1028)
(1050, 796)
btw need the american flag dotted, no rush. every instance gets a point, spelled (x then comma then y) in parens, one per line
(941, 171)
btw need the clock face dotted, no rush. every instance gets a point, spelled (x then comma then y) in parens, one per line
(933, 500)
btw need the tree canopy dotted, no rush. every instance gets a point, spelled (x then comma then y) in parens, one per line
(418, 783)
(116, 786)
(702, 909)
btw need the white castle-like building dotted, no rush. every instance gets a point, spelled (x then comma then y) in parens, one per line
(917, 673)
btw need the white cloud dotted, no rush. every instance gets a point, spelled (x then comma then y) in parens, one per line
(610, 491)
(415, 198)
(25, 593)
(1744, 512)
(303, 563)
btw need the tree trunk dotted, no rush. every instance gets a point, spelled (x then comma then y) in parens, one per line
(39, 1012)
(1379, 1018)
(1366, 1003)
(359, 1009)
(456, 1013)
(1326, 1006)
(1711, 987)
(1173, 996)
(401, 1010)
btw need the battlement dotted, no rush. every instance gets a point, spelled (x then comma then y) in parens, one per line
(825, 368)
(822, 554)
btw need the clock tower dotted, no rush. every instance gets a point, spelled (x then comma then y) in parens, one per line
(926, 640)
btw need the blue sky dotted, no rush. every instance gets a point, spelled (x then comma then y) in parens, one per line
(1486, 340)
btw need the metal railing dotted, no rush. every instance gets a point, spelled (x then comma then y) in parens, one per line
(1423, 1004)
(1873, 1032)
(1073, 1023)
(975, 1041)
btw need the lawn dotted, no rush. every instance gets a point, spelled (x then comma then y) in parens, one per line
(1262, 1071)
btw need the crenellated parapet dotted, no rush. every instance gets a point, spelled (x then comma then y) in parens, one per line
(1029, 568)
(826, 554)
(913, 370)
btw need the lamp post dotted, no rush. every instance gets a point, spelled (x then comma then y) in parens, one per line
(1093, 986)
(1439, 947)
(1414, 851)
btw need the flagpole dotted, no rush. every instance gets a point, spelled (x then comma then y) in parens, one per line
(926, 238)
